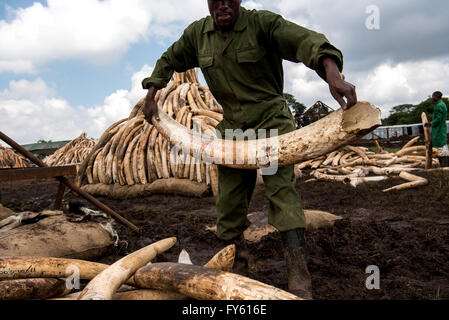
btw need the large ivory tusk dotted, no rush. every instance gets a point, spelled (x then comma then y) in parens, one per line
(389, 170)
(139, 294)
(34, 267)
(410, 143)
(206, 284)
(340, 178)
(148, 294)
(415, 181)
(318, 139)
(104, 285)
(359, 152)
(410, 150)
(355, 181)
(24, 289)
(223, 260)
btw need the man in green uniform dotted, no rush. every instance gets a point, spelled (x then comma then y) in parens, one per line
(439, 127)
(240, 53)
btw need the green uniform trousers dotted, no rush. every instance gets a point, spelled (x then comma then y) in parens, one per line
(235, 189)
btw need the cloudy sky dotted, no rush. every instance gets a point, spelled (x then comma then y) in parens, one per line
(73, 66)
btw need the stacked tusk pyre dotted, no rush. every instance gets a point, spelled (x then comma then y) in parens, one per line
(9, 159)
(132, 151)
(72, 153)
(356, 165)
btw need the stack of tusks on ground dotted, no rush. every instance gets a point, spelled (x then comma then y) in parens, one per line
(353, 165)
(132, 278)
(132, 153)
(72, 153)
(9, 159)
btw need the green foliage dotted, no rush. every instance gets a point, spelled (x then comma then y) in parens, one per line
(410, 114)
(44, 141)
(295, 105)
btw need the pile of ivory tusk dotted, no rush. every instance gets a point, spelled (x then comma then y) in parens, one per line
(133, 277)
(356, 165)
(9, 159)
(72, 153)
(132, 151)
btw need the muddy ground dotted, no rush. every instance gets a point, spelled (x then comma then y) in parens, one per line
(405, 234)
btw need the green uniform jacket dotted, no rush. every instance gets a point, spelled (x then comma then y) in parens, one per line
(439, 127)
(244, 71)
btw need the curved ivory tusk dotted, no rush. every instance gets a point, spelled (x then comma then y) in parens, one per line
(355, 181)
(223, 260)
(318, 139)
(415, 181)
(104, 285)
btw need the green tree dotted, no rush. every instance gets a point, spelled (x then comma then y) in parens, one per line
(410, 114)
(293, 104)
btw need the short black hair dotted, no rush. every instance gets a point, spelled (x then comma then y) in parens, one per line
(438, 94)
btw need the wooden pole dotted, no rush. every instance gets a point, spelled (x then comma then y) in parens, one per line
(428, 140)
(59, 196)
(69, 184)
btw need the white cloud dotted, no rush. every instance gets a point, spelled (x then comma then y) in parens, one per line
(117, 105)
(23, 89)
(93, 30)
(386, 85)
(17, 66)
(252, 5)
(389, 85)
(90, 30)
(31, 110)
(306, 85)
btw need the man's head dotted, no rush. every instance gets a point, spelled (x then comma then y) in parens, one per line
(224, 13)
(436, 96)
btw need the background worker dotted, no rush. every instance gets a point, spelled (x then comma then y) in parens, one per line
(439, 128)
(240, 53)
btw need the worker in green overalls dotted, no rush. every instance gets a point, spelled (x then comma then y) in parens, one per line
(240, 53)
(439, 128)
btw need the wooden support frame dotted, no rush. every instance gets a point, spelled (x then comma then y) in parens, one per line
(37, 173)
(41, 173)
(70, 184)
(59, 196)
(428, 140)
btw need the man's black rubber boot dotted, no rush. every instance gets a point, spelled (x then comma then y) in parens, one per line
(444, 161)
(241, 255)
(299, 282)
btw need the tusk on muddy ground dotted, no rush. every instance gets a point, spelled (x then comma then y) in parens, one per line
(223, 260)
(24, 289)
(105, 284)
(415, 181)
(206, 284)
(36, 267)
(355, 181)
